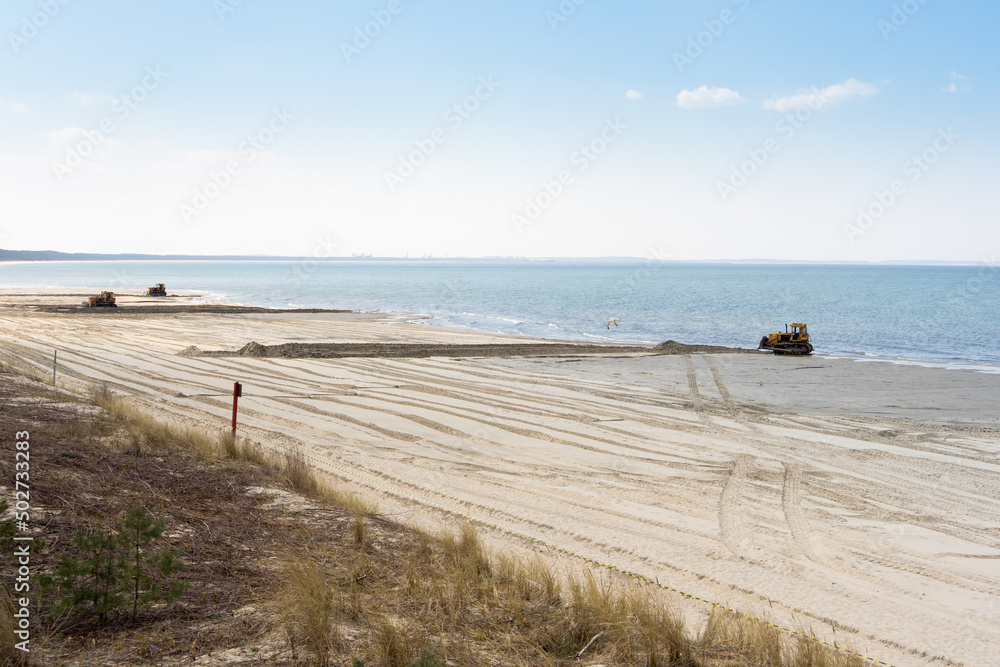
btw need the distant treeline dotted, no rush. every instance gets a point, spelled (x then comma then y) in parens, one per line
(52, 255)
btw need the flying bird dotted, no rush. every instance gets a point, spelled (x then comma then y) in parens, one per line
(612, 320)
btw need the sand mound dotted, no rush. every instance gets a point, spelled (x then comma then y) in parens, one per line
(253, 349)
(419, 350)
(190, 351)
(673, 347)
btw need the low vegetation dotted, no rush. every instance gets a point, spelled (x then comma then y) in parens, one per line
(169, 544)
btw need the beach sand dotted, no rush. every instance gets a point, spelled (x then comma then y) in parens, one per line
(858, 500)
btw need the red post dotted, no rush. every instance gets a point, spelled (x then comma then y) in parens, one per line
(237, 392)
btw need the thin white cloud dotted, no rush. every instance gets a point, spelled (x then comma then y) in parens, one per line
(708, 98)
(88, 100)
(633, 94)
(959, 83)
(816, 98)
(16, 107)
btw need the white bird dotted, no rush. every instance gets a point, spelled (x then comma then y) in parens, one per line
(612, 320)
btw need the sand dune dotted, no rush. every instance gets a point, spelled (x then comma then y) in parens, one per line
(860, 500)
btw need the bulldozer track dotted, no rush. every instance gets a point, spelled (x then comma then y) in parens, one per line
(697, 400)
(733, 532)
(791, 504)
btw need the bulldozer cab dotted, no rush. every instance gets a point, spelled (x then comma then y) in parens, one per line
(799, 332)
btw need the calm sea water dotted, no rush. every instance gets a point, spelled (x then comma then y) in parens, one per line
(925, 313)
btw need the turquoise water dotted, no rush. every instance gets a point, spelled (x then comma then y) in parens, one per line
(926, 313)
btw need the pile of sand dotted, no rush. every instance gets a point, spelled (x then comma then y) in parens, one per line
(414, 350)
(673, 347)
(252, 349)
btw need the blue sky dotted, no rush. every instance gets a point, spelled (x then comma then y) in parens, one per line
(688, 130)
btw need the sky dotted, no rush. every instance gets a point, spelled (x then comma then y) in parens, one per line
(726, 129)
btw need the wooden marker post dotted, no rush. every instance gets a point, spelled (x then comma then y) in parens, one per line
(237, 392)
(55, 356)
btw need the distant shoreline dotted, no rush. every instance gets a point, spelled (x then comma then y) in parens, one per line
(52, 256)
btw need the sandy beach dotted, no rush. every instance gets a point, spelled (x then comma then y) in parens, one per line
(859, 500)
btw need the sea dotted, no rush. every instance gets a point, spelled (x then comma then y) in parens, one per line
(937, 315)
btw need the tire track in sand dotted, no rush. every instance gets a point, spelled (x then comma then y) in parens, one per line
(791, 504)
(696, 398)
(731, 527)
(733, 409)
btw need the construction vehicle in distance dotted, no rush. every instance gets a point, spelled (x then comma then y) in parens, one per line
(103, 300)
(794, 342)
(159, 290)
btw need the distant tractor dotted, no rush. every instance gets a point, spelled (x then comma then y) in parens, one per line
(794, 342)
(103, 300)
(159, 290)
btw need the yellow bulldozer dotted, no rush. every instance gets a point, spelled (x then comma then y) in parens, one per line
(103, 300)
(794, 342)
(159, 290)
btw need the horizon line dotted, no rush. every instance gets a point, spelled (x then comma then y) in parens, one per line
(32, 256)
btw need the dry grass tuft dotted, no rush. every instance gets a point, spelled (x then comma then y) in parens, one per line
(765, 646)
(806, 653)
(466, 552)
(353, 503)
(397, 645)
(311, 612)
(299, 474)
(362, 534)
(757, 643)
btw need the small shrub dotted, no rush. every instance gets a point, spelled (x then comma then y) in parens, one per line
(148, 574)
(114, 571)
